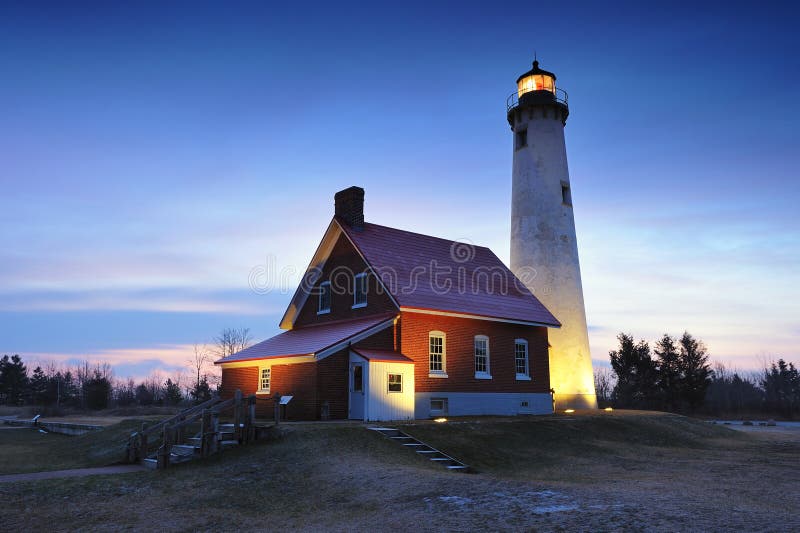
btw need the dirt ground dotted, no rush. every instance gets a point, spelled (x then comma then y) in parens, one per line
(331, 478)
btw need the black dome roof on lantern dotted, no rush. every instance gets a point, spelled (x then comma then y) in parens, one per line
(536, 70)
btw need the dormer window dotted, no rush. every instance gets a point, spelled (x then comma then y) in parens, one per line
(324, 298)
(360, 290)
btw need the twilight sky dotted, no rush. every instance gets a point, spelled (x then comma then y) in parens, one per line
(153, 154)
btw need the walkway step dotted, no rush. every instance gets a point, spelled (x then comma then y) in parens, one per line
(420, 447)
(150, 463)
(185, 449)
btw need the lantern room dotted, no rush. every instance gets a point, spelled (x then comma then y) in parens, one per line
(536, 79)
(537, 88)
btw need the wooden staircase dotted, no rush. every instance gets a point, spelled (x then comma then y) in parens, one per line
(166, 443)
(429, 452)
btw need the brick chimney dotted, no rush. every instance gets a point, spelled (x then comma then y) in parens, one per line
(350, 206)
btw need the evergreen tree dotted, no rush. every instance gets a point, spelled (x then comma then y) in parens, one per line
(670, 378)
(13, 380)
(97, 391)
(143, 395)
(636, 373)
(201, 391)
(38, 387)
(172, 393)
(693, 364)
(781, 383)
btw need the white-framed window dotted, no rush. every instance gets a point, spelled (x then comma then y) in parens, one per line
(438, 406)
(264, 378)
(482, 370)
(324, 298)
(521, 362)
(360, 290)
(395, 383)
(437, 354)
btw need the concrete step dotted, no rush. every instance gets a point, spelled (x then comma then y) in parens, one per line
(428, 452)
(176, 458)
(185, 449)
(229, 443)
(194, 441)
(150, 463)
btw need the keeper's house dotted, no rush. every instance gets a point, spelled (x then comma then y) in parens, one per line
(394, 325)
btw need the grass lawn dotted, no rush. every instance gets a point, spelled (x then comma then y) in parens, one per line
(580, 473)
(28, 450)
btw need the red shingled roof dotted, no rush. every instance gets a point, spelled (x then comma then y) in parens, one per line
(308, 340)
(424, 272)
(386, 356)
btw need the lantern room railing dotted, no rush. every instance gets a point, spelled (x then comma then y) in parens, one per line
(513, 99)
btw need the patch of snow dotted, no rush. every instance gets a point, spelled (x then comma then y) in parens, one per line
(456, 500)
(553, 509)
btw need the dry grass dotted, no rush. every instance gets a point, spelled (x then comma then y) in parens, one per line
(585, 474)
(28, 450)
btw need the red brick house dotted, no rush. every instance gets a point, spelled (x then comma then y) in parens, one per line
(391, 325)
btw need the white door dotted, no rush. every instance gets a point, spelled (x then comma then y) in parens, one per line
(357, 385)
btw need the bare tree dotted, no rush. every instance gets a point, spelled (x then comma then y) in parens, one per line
(603, 385)
(200, 359)
(231, 340)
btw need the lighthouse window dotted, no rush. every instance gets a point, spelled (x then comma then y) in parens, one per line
(360, 290)
(566, 195)
(437, 355)
(522, 139)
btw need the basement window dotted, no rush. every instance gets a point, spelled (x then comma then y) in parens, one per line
(521, 139)
(438, 406)
(395, 383)
(566, 195)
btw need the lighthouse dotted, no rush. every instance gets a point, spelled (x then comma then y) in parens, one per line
(544, 248)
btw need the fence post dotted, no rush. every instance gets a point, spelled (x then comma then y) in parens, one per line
(277, 399)
(205, 431)
(215, 436)
(251, 417)
(142, 455)
(237, 415)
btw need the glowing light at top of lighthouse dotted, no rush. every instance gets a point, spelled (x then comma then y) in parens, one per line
(536, 80)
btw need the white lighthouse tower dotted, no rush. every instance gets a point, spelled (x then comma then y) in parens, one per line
(544, 250)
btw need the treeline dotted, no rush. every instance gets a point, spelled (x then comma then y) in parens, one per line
(676, 375)
(88, 386)
(93, 386)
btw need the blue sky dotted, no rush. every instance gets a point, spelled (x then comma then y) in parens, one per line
(153, 154)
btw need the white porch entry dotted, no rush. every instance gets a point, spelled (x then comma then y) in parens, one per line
(386, 389)
(357, 393)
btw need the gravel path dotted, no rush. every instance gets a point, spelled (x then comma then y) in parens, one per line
(76, 472)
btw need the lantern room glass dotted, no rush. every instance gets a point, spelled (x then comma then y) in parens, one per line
(536, 82)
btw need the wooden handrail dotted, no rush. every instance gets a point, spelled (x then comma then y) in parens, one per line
(187, 412)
